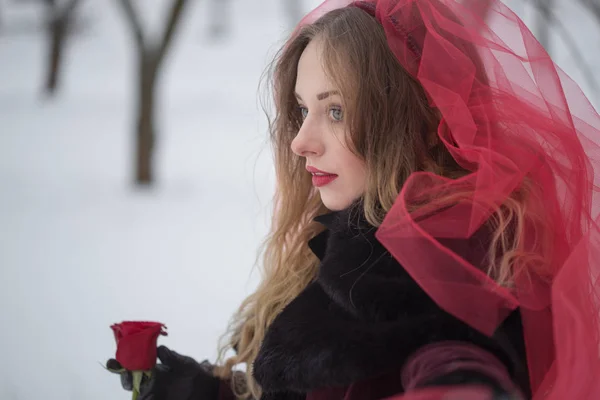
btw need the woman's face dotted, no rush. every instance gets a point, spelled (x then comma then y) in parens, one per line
(338, 174)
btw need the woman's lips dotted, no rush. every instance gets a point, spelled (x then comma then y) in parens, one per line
(322, 180)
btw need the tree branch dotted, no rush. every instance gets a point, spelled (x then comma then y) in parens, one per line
(55, 12)
(175, 14)
(134, 22)
(62, 16)
(593, 6)
(544, 18)
(70, 8)
(581, 62)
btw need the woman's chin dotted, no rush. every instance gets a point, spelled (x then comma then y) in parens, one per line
(333, 202)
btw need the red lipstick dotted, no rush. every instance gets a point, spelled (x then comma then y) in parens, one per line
(320, 178)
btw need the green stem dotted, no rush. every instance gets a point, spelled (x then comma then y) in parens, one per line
(137, 382)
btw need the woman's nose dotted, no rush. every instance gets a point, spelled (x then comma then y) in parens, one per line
(308, 141)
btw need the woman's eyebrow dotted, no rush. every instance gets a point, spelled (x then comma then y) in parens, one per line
(321, 96)
(324, 95)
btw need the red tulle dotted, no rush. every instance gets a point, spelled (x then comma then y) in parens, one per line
(518, 123)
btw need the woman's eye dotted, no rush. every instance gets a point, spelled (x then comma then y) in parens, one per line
(336, 113)
(303, 112)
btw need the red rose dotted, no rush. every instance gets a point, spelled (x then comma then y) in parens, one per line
(136, 344)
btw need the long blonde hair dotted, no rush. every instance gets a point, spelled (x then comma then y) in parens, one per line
(391, 115)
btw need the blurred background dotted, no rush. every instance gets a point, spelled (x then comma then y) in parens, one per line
(135, 173)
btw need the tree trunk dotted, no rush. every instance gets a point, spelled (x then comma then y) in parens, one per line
(145, 126)
(150, 56)
(56, 38)
(58, 21)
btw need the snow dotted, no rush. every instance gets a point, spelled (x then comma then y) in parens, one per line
(80, 247)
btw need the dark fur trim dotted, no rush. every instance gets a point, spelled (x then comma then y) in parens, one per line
(363, 316)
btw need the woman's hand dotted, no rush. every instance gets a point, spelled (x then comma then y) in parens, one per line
(177, 377)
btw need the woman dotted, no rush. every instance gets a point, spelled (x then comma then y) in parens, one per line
(433, 226)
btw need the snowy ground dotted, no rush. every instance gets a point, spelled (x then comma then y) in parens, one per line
(80, 248)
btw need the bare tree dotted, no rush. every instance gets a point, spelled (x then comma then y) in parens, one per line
(593, 6)
(543, 22)
(59, 19)
(555, 23)
(150, 56)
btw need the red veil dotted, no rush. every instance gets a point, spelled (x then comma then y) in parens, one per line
(523, 129)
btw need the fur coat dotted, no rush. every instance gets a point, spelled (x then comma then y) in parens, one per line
(349, 333)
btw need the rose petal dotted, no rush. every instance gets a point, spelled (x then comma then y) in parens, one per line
(136, 344)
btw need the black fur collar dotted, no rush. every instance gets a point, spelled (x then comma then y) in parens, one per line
(363, 316)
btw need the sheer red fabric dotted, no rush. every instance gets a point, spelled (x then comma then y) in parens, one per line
(528, 135)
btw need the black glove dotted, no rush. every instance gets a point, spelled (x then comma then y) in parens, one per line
(177, 377)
